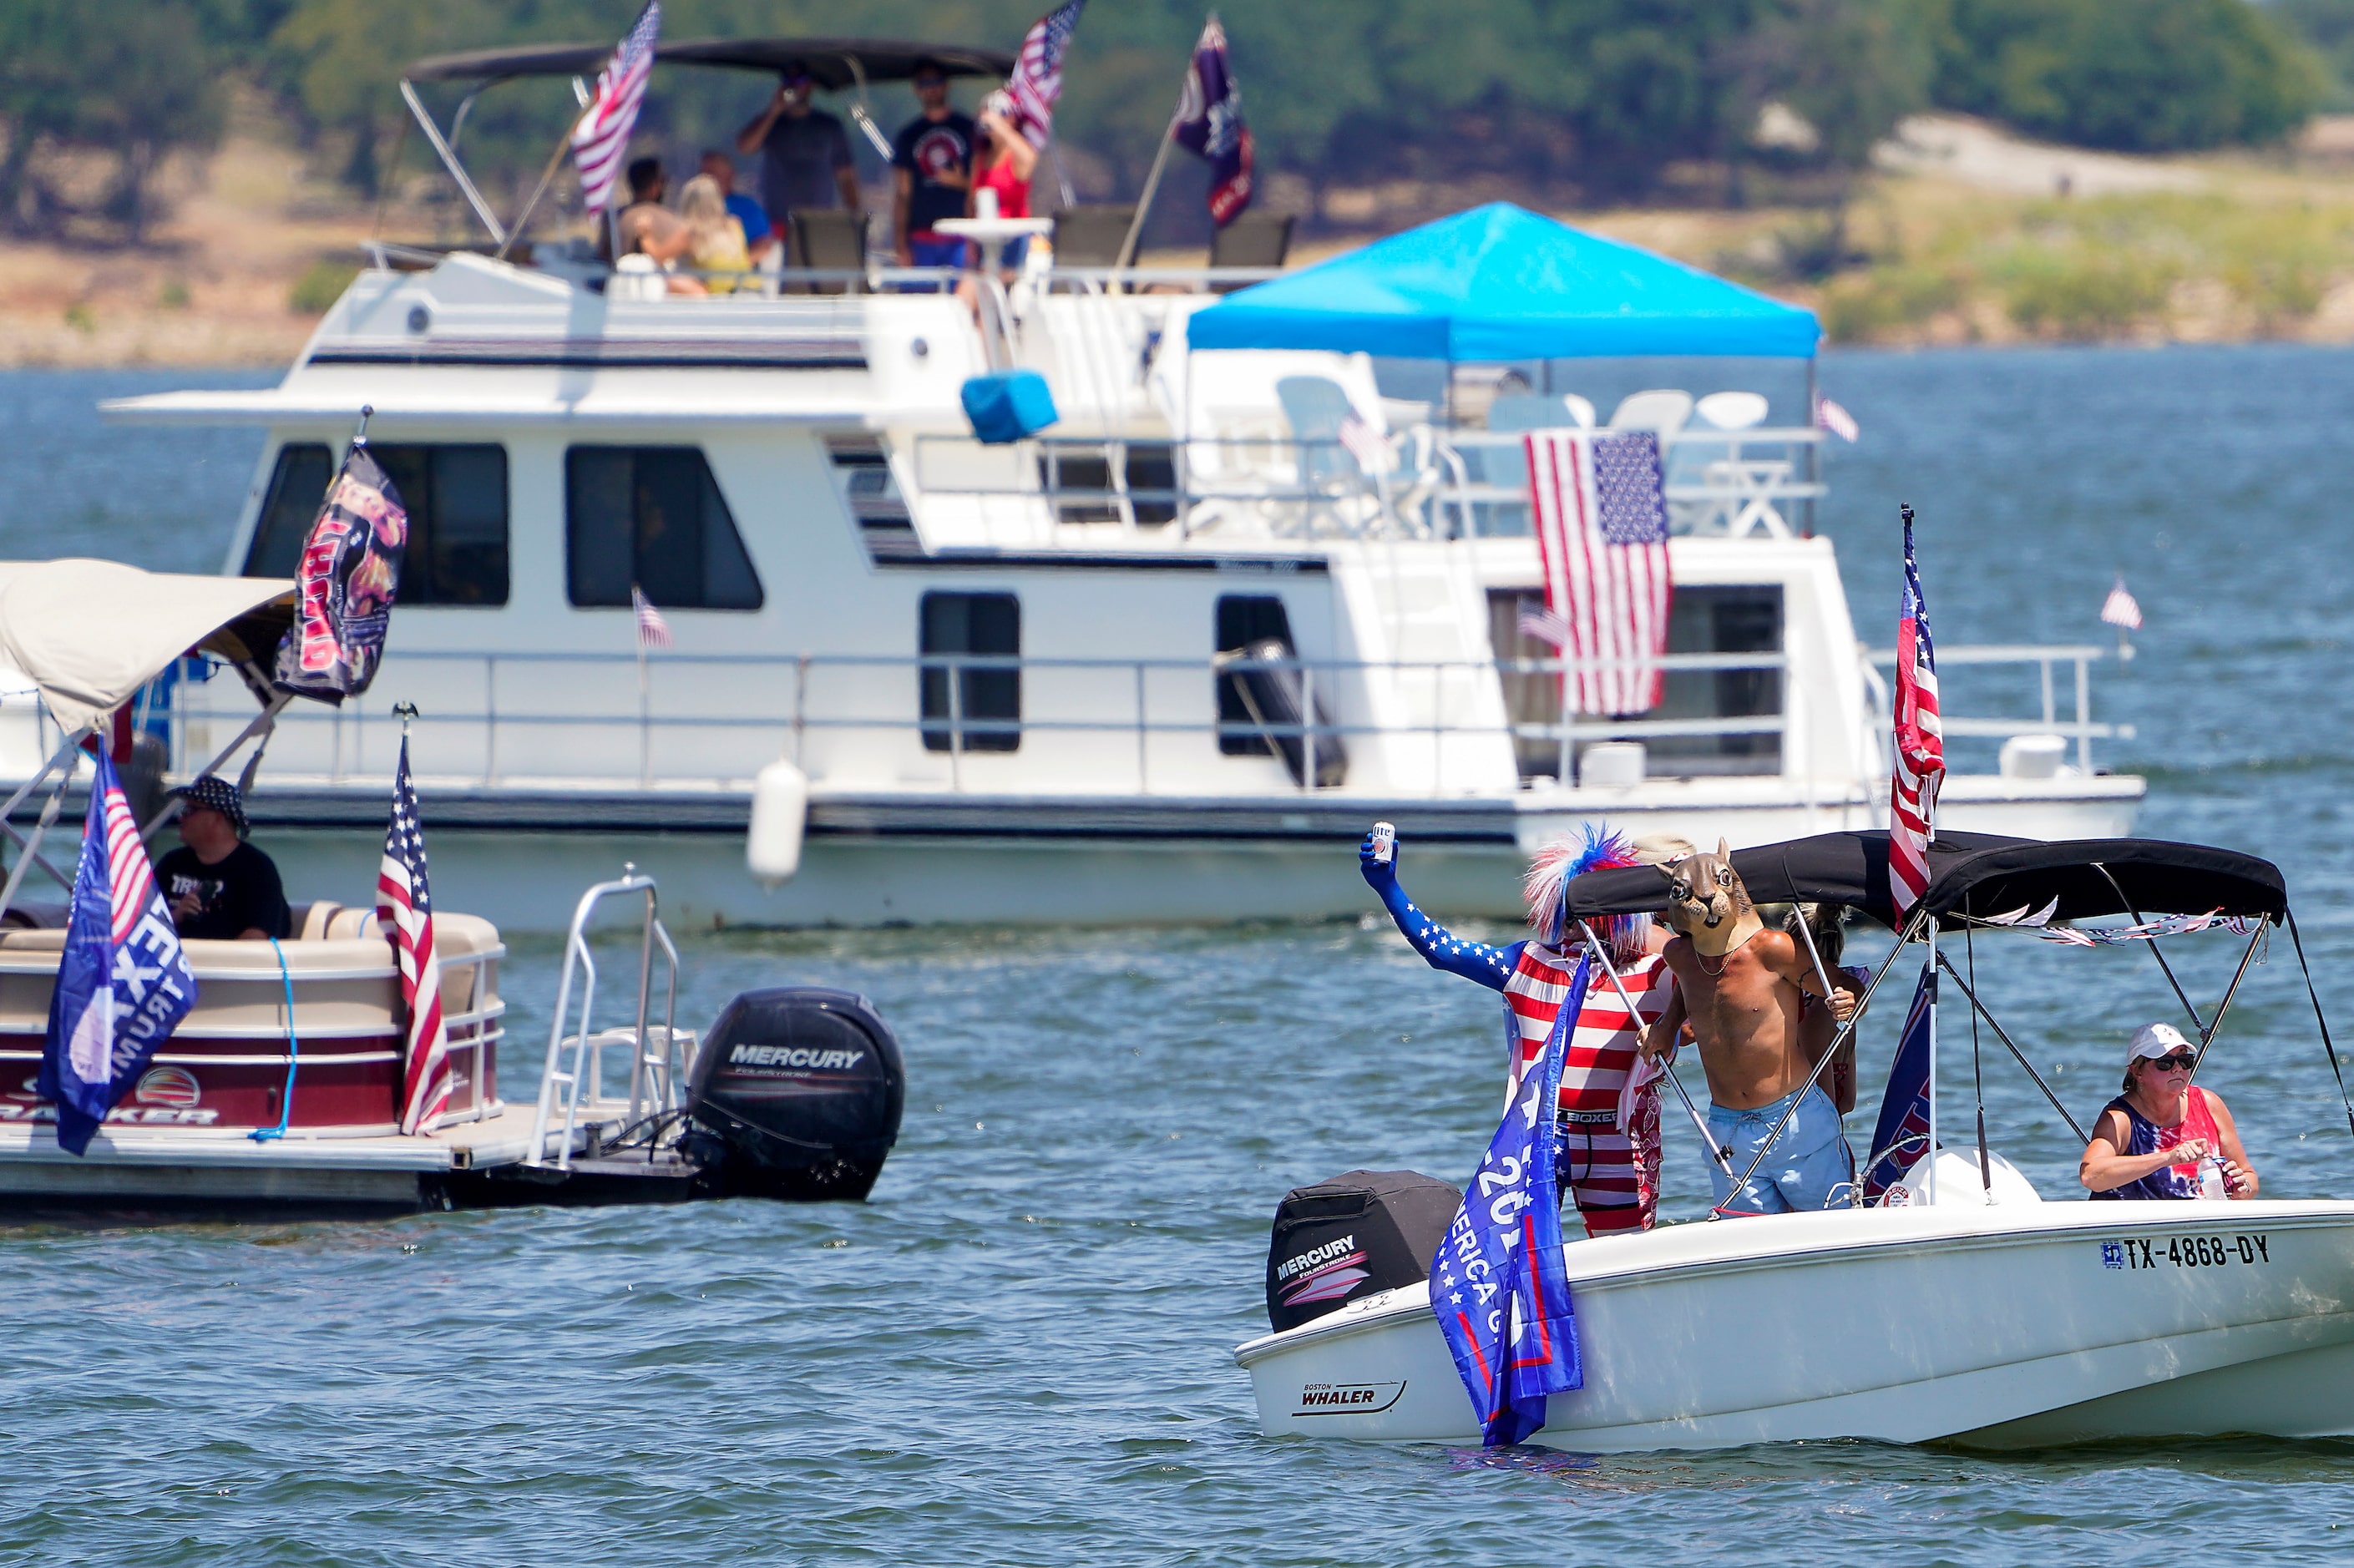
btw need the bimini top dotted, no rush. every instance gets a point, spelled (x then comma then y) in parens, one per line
(1976, 876)
(91, 633)
(1500, 284)
(832, 63)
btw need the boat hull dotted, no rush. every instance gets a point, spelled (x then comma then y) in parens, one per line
(1997, 1328)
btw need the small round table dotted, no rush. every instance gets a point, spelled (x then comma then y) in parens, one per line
(993, 234)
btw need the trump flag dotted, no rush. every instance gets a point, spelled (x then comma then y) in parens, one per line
(124, 983)
(1497, 1285)
(1908, 1111)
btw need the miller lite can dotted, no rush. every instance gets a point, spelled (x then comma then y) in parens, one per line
(1385, 842)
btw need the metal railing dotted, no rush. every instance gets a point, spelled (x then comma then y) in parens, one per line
(657, 1075)
(2080, 727)
(1323, 487)
(1143, 704)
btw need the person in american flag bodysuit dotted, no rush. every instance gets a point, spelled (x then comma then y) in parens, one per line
(1609, 1145)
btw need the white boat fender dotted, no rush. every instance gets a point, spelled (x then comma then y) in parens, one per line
(772, 846)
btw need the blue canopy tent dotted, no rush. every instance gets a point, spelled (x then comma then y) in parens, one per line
(1500, 284)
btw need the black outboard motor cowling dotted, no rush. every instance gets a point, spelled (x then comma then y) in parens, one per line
(803, 1088)
(1361, 1231)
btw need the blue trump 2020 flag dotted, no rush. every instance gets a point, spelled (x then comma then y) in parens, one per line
(1901, 1136)
(1497, 1285)
(123, 984)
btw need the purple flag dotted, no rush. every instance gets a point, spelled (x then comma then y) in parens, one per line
(1210, 122)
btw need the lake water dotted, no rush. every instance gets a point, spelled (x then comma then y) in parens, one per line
(1018, 1351)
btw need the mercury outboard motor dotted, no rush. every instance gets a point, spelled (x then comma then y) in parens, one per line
(1359, 1232)
(797, 1094)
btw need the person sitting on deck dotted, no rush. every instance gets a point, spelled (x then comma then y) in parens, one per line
(220, 888)
(715, 238)
(1608, 1162)
(749, 216)
(2163, 1137)
(650, 230)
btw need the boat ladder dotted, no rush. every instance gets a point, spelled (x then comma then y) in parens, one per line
(661, 1055)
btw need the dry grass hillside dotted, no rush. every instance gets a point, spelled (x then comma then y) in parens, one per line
(1964, 235)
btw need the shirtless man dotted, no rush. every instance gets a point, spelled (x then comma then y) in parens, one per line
(1743, 988)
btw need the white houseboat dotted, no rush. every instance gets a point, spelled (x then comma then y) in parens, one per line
(1009, 672)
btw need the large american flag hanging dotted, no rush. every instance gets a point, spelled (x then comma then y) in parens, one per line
(1602, 535)
(1920, 760)
(1038, 71)
(405, 906)
(602, 134)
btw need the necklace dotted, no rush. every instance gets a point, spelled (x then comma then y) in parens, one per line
(1718, 972)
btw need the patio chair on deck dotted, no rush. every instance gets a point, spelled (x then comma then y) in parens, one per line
(824, 241)
(1091, 236)
(1252, 239)
(1504, 464)
(1346, 458)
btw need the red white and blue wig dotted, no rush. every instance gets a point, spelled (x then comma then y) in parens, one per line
(1596, 848)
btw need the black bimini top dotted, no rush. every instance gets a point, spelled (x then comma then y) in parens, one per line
(832, 63)
(1975, 876)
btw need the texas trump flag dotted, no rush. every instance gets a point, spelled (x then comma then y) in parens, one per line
(123, 984)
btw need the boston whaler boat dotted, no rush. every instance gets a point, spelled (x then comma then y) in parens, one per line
(1995, 1318)
(1029, 682)
(280, 1091)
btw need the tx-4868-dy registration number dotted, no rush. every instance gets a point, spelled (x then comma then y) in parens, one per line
(2185, 1252)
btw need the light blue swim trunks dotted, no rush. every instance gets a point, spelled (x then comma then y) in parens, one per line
(1810, 1168)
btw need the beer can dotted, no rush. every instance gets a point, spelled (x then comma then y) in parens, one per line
(1384, 843)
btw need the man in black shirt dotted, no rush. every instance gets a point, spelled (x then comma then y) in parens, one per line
(931, 166)
(220, 887)
(805, 163)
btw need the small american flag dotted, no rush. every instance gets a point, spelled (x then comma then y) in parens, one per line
(1831, 417)
(1543, 625)
(405, 906)
(1602, 536)
(1920, 764)
(602, 134)
(1038, 73)
(2121, 609)
(1365, 444)
(653, 631)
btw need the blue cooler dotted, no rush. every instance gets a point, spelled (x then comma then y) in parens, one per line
(1007, 404)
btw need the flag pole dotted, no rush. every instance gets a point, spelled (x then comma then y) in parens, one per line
(1152, 180)
(554, 162)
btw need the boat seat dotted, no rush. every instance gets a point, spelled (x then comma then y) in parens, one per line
(350, 923)
(309, 922)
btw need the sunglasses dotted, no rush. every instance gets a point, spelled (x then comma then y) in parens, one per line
(2182, 1060)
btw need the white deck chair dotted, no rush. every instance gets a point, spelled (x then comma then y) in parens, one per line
(1664, 413)
(1317, 408)
(1733, 410)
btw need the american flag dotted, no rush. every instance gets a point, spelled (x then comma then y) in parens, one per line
(1602, 535)
(2121, 609)
(1543, 625)
(1831, 417)
(1038, 73)
(1920, 765)
(653, 631)
(602, 134)
(405, 906)
(1365, 443)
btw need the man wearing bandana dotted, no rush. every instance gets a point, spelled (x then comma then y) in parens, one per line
(219, 887)
(1609, 1106)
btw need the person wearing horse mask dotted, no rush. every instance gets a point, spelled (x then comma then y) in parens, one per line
(1745, 989)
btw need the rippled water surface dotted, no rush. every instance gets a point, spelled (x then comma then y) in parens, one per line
(1019, 1350)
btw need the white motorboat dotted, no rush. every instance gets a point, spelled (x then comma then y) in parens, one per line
(1978, 1313)
(1012, 676)
(280, 1091)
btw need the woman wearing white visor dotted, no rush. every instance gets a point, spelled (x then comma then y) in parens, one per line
(2163, 1138)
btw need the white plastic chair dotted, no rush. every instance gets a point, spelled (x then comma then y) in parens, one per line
(636, 277)
(1733, 410)
(1316, 408)
(1664, 413)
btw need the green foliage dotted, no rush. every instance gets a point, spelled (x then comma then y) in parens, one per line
(2135, 74)
(1884, 298)
(2327, 25)
(320, 286)
(136, 78)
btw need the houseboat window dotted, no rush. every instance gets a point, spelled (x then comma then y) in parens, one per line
(1739, 618)
(296, 487)
(457, 500)
(872, 493)
(653, 517)
(987, 714)
(1244, 619)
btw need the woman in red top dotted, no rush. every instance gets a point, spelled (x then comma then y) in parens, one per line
(2163, 1137)
(1002, 162)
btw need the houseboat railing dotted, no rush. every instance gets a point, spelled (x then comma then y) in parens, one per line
(1139, 704)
